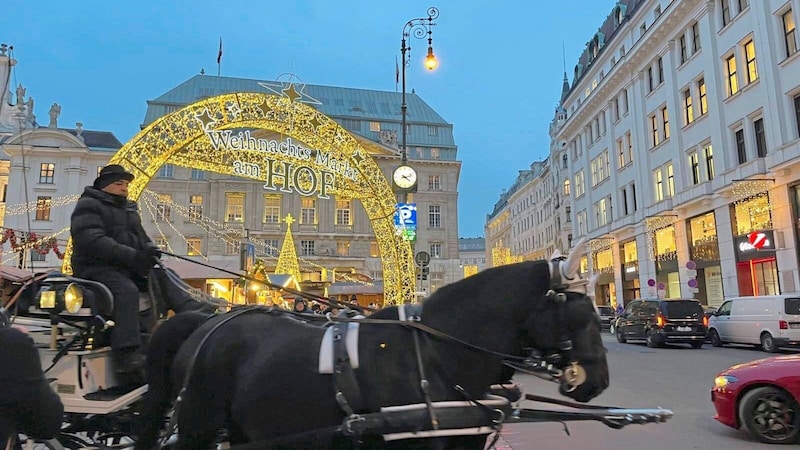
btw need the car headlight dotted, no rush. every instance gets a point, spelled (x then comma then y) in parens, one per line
(724, 380)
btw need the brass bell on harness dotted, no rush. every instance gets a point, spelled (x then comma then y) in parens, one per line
(574, 375)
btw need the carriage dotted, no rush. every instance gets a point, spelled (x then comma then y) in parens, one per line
(411, 376)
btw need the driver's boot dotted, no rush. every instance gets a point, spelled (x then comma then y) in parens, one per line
(129, 366)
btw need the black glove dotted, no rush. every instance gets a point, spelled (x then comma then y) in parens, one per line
(152, 250)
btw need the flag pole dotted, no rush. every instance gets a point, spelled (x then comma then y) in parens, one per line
(219, 57)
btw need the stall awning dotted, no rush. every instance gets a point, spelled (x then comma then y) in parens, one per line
(350, 288)
(287, 281)
(190, 271)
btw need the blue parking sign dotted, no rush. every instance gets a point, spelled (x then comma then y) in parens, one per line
(405, 216)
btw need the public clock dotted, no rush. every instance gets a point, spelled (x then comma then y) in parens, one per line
(405, 177)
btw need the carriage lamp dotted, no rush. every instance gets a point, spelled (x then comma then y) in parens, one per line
(61, 297)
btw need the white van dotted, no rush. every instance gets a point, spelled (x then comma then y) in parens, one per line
(769, 321)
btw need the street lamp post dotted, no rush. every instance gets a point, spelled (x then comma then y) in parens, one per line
(420, 28)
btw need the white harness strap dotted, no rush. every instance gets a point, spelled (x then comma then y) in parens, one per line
(326, 348)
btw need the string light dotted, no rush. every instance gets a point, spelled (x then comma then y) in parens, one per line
(746, 189)
(34, 205)
(213, 227)
(600, 244)
(656, 225)
(501, 256)
(169, 222)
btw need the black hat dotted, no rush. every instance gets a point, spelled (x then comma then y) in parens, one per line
(110, 174)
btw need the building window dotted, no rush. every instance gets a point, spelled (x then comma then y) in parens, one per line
(234, 207)
(343, 215)
(601, 212)
(568, 213)
(436, 250)
(435, 153)
(682, 43)
(708, 152)
(564, 161)
(615, 110)
(695, 37)
(761, 139)
(197, 174)
(308, 211)
(670, 180)
(375, 127)
(582, 226)
(43, 208)
(733, 82)
(307, 248)
(694, 165)
(271, 247)
(665, 122)
(164, 208)
(624, 201)
(629, 144)
(352, 125)
(660, 65)
(726, 12)
(162, 242)
(625, 101)
(789, 39)
(741, 149)
(272, 209)
(193, 246)
(750, 61)
(701, 89)
(655, 138)
(566, 187)
(620, 154)
(797, 113)
(47, 173)
(195, 207)
(433, 130)
(743, 4)
(35, 256)
(342, 248)
(650, 84)
(434, 182)
(580, 187)
(231, 247)
(687, 107)
(435, 216)
(374, 250)
(658, 184)
(166, 171)
(633, 197)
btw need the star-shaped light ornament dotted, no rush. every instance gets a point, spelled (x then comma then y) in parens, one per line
(315, 123)
(357, 156)
(205, 119)
(233, 111)
(265, 107)
(292, 91)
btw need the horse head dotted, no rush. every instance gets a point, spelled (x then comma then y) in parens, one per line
(571, 329)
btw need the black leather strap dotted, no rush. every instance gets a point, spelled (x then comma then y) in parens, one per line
(348, 394)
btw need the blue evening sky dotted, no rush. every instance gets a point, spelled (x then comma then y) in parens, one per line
(498, 82)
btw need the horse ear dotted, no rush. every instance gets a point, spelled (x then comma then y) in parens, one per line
(571, 266)
(556, 255)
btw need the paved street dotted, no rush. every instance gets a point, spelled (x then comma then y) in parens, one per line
(677, 378)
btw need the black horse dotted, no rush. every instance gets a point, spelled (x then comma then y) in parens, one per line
(256, 375)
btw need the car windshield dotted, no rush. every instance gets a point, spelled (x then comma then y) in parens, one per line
(605, 310)
(792, 306)
(682, 309)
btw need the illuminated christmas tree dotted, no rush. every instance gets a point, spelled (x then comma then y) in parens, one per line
(287, 260)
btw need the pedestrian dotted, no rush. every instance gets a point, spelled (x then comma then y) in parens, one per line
(28, 404)
(111, 247)
(300, 306)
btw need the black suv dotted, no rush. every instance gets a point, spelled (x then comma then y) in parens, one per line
(606, 314)
(659, 321)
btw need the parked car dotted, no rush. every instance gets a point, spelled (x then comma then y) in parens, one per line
(770, 321)
(763, 396)
(658, 321)
(606, 314)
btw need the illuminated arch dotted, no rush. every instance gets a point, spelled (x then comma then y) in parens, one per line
(191, 137)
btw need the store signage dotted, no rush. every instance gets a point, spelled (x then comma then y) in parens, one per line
(758, 239)
(747, 250)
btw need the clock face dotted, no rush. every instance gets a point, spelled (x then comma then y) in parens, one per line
(405, 177)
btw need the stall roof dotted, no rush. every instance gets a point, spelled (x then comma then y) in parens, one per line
(14, 274)
(284, 280)
(190, 271)
(350, 288)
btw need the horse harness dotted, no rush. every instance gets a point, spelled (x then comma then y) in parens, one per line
(484, 416)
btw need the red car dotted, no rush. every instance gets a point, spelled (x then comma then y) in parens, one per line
(763, 396)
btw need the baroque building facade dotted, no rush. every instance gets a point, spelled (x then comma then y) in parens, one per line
(208, 215)
(680, 133)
